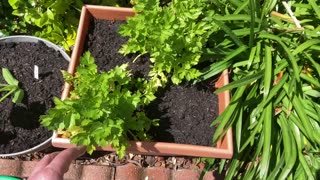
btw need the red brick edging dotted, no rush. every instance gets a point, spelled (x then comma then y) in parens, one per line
(96, 172)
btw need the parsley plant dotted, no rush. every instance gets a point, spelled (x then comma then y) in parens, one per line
(173, 35)
(101, 110)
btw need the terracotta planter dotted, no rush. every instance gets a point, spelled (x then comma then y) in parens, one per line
(224, 148)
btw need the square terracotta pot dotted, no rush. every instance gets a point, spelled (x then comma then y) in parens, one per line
(224, 148)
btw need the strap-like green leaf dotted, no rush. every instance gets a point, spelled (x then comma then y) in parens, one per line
(292, 60)
(18, 96)
(267, 131)
(290, 148)
(315, 7)
(8, 77)
(218, 67)
(241, 82)
(305, 45)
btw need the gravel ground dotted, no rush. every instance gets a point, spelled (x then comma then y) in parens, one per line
(111, 159)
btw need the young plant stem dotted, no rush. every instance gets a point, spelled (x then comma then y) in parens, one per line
(8, 94)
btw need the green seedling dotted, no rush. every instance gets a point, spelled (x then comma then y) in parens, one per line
(11, 88)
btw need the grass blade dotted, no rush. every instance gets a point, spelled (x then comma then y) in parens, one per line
(215, 69)
(252, 55)
(305, 45)
(220, 66)
(303, 116)
(292, 60)
(252, 136)
(276, 170)
(299, 141)
(315, 65)
(267, 7)
(310, 80)
(290, 149)
(241, 82)
(268, 70)
(252, 22)
(228, 31)
(315, 7)
(274, 91)
(223, 119)
(265, 157)
(235, 17)
(239, 129)
(242, 6)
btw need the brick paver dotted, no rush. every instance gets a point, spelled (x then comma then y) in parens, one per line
(186, 174)
(213, 176)
(157, 174)
(10, 167)
(27, 167)
(128, 172)
(95, 172)
(74, 172)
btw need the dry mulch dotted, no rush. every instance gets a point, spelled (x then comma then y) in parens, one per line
(111, 159)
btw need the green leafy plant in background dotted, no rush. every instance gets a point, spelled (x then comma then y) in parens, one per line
(271, 48)
(174, 35)
(101, 110)
(12, 88)
(9, 23)
(54, 20)
(117, 3)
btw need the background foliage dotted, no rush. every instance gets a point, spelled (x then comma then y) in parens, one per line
(275, 70)
(54, 20)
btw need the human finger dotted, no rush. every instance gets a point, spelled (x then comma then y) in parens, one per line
(44, 162)
(62, 161)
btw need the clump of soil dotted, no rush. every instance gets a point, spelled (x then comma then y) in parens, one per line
(185, 112)
(20, 128)
(104, 42)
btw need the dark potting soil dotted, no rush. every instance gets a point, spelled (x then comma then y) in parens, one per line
(185, 112)
(104, 42)
(20, 128)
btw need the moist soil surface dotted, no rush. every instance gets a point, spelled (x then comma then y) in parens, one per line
(185, 112)
(104, 42)
(19, 123)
